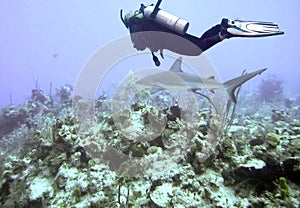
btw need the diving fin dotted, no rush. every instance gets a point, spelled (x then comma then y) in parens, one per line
(240, 28)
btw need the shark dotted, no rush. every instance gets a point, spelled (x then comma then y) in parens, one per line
(176, 79)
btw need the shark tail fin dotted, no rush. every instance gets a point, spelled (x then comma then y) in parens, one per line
(231, 85)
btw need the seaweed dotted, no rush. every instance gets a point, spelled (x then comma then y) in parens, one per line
(284, 188)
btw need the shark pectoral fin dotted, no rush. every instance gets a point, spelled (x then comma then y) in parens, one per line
(212, 90)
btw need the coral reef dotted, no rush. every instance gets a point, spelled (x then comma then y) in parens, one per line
(49, 158)
(271, 89)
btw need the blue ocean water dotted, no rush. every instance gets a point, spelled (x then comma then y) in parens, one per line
(111, 147)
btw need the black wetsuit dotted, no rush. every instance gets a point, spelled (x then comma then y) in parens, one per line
(147, 33)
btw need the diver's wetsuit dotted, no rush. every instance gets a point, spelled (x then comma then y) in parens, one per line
(141, 40)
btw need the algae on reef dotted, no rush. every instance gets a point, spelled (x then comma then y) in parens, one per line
(49, 160)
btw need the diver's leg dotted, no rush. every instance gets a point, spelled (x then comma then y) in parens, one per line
(211, 37)
(212, 31)
(204, 43)
(219, 29)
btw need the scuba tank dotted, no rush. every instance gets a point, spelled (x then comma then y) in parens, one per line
(166, 19)
(159, 16)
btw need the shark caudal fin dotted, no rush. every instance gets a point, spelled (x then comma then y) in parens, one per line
(232, 84)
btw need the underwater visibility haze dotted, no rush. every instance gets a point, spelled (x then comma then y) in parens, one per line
(86, 120)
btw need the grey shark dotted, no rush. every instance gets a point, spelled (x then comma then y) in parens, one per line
(176, 79)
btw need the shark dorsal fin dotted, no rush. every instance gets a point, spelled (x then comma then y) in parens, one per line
(176, 67)
(211, 77)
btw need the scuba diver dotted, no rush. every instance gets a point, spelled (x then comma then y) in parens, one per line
(150, 27)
